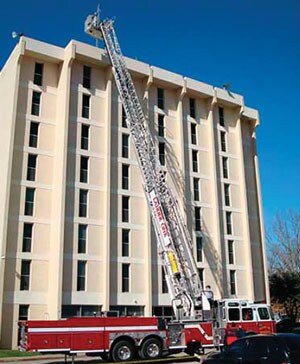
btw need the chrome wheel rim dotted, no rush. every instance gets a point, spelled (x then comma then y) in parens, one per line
(153, 350)
(124, 352)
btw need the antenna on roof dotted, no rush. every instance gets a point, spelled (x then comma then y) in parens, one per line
(226, 86)
(15, 34)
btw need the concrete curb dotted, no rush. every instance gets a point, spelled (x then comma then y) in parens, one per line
(31, 358)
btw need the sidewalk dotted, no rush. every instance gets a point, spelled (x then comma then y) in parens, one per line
(33, 358)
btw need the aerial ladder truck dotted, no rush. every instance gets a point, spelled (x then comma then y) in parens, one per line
(122, 338)
(174, 243)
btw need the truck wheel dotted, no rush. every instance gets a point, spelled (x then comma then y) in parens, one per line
(194, 347)
(151, 349)
(122, 351)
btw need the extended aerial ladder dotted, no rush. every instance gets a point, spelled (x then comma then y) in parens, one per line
(173, 239)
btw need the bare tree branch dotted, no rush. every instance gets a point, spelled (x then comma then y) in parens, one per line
(283, 242)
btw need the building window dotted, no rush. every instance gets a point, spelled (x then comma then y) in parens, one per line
(194, 133)
(23, 316)
(164, 312)
(80, 311)
(31, 167)
(225, 167)
(196, 182)
(86, 82)
(223, 141)
(27, 237)
(227, 194)
(162, 153)
(81, 272)
(199, 247)
(125, 145)
(197, 218)
(33, 134)
(228, 223)
(84, 163)
(83, 196)
(125, 277)
(82, 234)
(85, 112)
(125, 176)
(195, 160)
(161, 125)
(38, 74)
(232, 282)
(36, 101)
(124, 123)
(125, 242)
(85, 130)
(164, 285)
(192, 108)
(25, 275)
(125, 208)
(23, 312)
(160, 98)
(230, 252)
(201, 276)
(221, 116)
(29, 201)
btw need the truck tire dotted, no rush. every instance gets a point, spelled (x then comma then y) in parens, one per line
(194, 347)
(122, 351)
(151, 349)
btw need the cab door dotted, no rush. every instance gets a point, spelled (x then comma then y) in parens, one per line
(265, 322)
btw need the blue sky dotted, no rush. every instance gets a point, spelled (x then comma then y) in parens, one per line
(251, 44)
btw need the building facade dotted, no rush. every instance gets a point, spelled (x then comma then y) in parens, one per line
(75, 230)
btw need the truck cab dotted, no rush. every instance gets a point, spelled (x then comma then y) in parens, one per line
(238, 318)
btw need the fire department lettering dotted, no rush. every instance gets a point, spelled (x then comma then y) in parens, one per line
(157, 209)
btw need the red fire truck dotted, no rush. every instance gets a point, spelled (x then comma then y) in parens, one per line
(197, 324)
(122, 338)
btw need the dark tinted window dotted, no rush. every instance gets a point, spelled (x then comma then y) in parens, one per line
(125, 145)
(84, 162)
(31, 167)
(162, 153)
(124, 123)
(247, 314)
(237, 347)
(82, 234)
(35, 105)
(192, 108)
(85, 111)
(81, 273)
(258, 347)
(263, 313)
(86, 77)
(234, 314)
(33, 135)
(221, 116)
(85, 136)
(27, 237)
(292, 341)
(38, 74)
(160, 98)
(193, 133)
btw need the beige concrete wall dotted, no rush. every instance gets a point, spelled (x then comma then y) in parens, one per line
(54, 253)
(9, 85)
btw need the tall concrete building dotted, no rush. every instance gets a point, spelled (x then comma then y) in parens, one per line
(75, 231)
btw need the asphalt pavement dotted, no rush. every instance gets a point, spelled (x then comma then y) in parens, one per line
(83, 359)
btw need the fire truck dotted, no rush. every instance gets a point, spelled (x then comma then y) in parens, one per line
(198, 324)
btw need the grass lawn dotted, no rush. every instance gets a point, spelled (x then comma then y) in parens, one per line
(12, 353)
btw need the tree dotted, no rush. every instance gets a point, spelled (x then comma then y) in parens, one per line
(285, 290)
(283, 242)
